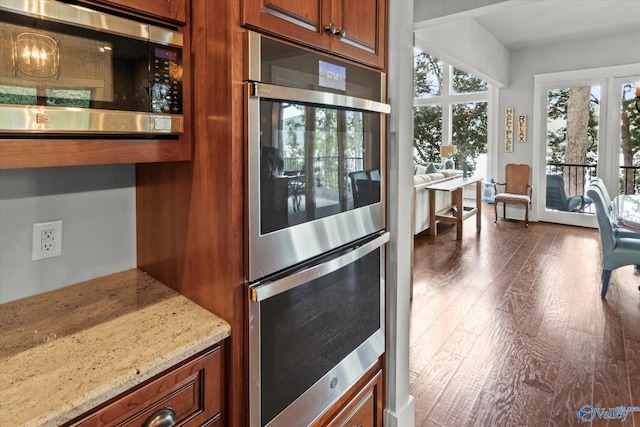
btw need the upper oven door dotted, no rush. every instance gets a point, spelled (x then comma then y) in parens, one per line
(316, 162)
(315, 171)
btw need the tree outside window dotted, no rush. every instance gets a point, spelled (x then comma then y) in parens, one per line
(572, 136)
(440, 91)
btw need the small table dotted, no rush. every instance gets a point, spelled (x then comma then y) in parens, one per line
(626, 211)
(457, 212)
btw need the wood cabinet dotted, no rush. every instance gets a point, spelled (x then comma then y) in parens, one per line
(360, 407)
(191, 393)
(174, 11)
(33, 153)
(351, 29)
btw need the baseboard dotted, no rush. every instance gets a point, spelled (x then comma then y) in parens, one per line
(405, 417)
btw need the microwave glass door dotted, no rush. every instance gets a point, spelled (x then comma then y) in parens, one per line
(47, 63)
(50, 64)
(315, 162)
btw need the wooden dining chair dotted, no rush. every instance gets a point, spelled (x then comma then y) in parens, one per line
(517, 190)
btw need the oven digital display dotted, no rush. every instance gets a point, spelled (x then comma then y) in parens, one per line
(171, 55)
(332, 76)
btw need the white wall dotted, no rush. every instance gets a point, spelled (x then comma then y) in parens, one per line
(430, 9)
(97, 206)
(485, 57)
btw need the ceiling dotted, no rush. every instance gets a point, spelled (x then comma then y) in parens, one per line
(521, 24)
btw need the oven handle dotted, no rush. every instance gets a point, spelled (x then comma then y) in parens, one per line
(282, 93)
(269, 289)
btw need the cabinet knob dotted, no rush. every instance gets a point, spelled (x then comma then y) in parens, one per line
(163, 417)
(340, 32)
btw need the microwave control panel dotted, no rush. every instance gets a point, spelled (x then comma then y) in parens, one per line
(166, 80)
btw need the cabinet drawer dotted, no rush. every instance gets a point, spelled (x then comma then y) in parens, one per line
(193, 391)
(364, 410)
(362, 415)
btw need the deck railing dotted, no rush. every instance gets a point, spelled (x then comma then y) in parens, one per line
(325, 168)
(577, 177)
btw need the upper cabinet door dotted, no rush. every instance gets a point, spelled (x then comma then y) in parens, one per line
(363, 24)
(351, 29)
(166, 10)
(293, 19)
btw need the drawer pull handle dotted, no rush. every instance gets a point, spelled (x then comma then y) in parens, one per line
(164, 417)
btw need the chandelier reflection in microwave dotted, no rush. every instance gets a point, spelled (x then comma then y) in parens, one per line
(36, 56)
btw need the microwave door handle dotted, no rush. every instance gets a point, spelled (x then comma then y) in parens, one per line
(319, 98)
(269, 289)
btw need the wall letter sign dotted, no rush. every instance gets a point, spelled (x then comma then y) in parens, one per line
(508, 129)
(522, 128)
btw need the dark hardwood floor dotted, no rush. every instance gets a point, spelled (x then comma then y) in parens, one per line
(508, 327)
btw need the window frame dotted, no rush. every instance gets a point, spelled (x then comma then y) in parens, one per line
(448, 97)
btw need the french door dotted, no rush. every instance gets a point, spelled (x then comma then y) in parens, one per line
(584, 122)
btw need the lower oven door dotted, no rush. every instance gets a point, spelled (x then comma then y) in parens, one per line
(314, 333)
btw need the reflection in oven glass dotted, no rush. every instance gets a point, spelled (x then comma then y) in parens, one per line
(315, 162)
(308, 330)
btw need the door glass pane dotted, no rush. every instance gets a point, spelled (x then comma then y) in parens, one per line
(324, 186)
(630, 140)
(572, 147)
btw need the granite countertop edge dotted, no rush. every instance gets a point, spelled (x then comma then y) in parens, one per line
(66, 352)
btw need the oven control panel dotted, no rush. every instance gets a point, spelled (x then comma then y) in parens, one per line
(166, 80)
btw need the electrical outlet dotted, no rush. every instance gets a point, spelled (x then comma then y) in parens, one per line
(46, 240)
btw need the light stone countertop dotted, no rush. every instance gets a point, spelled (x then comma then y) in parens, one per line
(64, 352)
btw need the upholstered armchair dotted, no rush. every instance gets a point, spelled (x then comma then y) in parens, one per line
(517, 190)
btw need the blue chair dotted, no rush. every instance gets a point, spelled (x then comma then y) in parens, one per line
(557, 198)
(619, 248)
(598, 185)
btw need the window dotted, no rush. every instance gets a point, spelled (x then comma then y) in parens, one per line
(450, 107)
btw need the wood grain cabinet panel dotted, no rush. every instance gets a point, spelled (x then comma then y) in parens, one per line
(194, 391)
(364, 25)
(174, 11)
(292, 19)
(362, 407)
(359, 27)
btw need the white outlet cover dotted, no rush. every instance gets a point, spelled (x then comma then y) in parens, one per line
(37, 251)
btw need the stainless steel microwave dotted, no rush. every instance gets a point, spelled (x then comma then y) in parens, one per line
(66, 69)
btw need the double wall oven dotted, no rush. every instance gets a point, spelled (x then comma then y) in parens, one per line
(315, 229)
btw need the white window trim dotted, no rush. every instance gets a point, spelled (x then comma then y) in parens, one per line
(448, 98)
